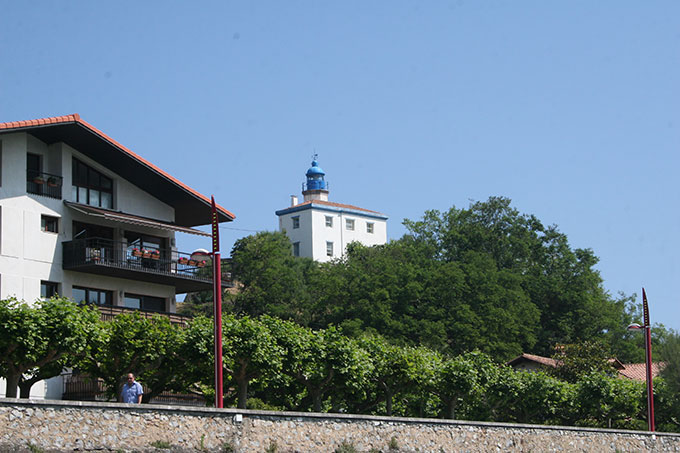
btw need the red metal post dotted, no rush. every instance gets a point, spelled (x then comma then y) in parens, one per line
(217, 305)
(648, 360)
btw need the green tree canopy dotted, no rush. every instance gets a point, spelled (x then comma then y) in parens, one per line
(37, 341)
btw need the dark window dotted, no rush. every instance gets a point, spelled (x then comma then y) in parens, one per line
(92, 296)
(296, 222)
(91, 187)
(48, 289)
(49, 223)
(146, 303)
(296, 249)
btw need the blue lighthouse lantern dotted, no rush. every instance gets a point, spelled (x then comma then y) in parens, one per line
(315, 176)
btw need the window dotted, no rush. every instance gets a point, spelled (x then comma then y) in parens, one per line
(49, 224)
(147, 303)
(296, 222)
(329, 221)
(329, 248)
(92, 296)
(91, 187)
(369, 227)
(48, 289)
(349, 224)
(296, 249)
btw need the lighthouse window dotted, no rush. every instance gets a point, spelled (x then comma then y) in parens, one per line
(349, 224)
(296, 222)
(329, 248)
(329, 221)
(296, 249)
(369, 227)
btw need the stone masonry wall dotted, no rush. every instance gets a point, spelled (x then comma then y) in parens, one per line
(59, 426)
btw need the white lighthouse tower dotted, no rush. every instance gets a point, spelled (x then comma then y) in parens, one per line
(321, 229)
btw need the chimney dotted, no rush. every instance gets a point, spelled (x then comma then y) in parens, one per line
(293, 200)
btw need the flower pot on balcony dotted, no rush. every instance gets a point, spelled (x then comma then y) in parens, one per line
(192, 263)
(155, 256)
(183, 260)
(39, 180)
(52, 182)
(200, 264)
(146, 254)
(137, 253)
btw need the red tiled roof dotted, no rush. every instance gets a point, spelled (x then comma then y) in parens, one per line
(75, 118)
(638, 371)
(547, 361)
(336, 205)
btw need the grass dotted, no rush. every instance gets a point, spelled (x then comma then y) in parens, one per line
(162, 444)
(34, 448)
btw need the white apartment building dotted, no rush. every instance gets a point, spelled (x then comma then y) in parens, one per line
(321, 229)
(84, 217)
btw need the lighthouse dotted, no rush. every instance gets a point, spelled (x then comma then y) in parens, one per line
(322, 229)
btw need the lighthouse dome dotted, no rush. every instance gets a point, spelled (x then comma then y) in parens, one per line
(315, 177)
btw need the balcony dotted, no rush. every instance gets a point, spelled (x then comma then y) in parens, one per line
(45, 184)
(108, 312)
(117, 259)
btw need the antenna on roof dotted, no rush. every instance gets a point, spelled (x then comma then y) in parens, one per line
(315, 155)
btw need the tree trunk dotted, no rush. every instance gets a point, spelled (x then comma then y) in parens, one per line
(12, 383)
(388, 402)
(451, 409)
(242, 393)
(316, 400)
(25, 387)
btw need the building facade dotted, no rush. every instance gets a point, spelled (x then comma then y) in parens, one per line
(82, 216)
(321, 229)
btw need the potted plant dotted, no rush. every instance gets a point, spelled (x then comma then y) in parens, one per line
(183, 260)
(136, 252)
(52, 181)
(155, 255)
(200, 263)
(146, 253)
(192, 262)
(39, 180)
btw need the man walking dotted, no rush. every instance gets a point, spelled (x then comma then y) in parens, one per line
(132, 391)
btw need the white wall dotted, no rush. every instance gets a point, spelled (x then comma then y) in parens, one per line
(29, 255)
(313, 232)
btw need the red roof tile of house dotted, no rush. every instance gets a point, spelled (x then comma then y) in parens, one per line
(547, 361)
(638, 371)
(75, 118)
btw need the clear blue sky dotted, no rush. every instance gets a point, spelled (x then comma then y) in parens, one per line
(569, 108)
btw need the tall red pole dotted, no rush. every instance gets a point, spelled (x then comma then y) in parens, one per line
(217, 305)
(648, 360)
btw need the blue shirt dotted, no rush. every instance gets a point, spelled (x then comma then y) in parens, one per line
(131, 392)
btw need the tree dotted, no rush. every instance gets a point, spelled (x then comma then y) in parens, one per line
(272, 280)
(395, 369)
(577, 360)
(249, 351)
(37, 341)
(561, 283)
(668, 392)
(609, 402)
(323, 362)
(149, 348)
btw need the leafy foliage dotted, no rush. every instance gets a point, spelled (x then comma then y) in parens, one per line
(37, 342)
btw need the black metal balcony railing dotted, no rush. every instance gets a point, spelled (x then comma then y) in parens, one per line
(44, 184)
(162, 266)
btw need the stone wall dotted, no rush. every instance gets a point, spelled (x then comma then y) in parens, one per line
(36, 425)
